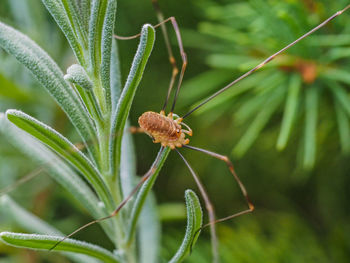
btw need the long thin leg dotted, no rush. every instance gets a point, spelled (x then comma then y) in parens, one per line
(171, 57)
(270, 58)
(184, 60)
(172, 60)
(209, 207)
(35, 172)
(120, 206)
(239, 182)
(22, 180)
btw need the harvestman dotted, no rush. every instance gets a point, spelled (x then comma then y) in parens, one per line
(169, 132)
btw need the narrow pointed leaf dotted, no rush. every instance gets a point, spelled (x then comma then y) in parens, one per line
(46, 242)
(116, 81)
(250, 108)
(254, 104)
(58, 169)
(98, 12)
(209, 81)
(50, 76)
(84, 9)
(341, 95)
(329, 40)
(244, 86)
(120, 115)
(106, 46)
(338, 53)
(290, 111)
(32, 223)
(311, 109)
(337, 75)
(127, 163)
(66, 23)
(65, 148)
(145, 190)
(149, 231)
(259, 122)
(194, 223)
(25, 219)
(71, 9)
(343, 128)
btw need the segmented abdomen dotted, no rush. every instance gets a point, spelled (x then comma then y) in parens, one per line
(159, 125)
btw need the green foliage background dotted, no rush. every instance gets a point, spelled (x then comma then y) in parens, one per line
(302, 215)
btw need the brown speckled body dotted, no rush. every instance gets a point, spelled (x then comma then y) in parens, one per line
(164, 129)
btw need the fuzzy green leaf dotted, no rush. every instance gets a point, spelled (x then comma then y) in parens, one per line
(194, 224)
(25, 219)
(121, 113)
(32, 223)
(66, 149)
(98, 13)
(76, 74)
(290, 111)
(66, 23)
(127, 163)
(116, 82)
(149, 231)
(75, 19)
(106, 46)
(101, 27)
(149, 226)
(46, 242)
(58, 169)
(84, 9)
(145, 190)
(50, 76)
(310, 132)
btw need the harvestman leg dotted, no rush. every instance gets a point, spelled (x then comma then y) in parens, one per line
(22, 180)
(122, 204)
(208, 204)
(239, 182)
(270, 58)
(172, 60)
(170, 52)
(210, 208)
(34, 173)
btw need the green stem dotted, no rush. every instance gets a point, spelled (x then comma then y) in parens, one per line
(143, 193)
(99, 96)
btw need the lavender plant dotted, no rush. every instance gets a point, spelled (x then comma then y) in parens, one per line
(101, 173)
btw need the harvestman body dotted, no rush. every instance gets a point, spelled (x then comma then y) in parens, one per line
(168, 130)
(164, 129)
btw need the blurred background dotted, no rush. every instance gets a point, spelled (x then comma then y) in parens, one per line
(286, 128)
